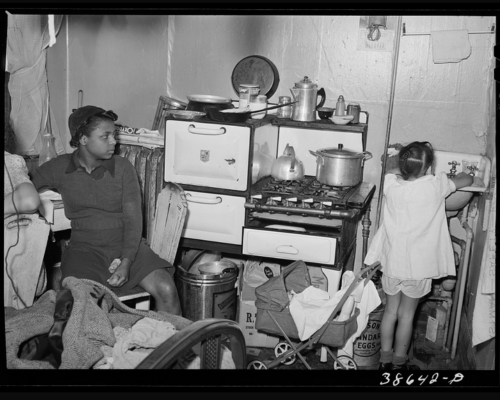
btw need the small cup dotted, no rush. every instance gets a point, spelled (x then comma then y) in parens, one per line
(325, 112)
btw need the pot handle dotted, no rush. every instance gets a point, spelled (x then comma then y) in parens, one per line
(229, 270)
(321, 92)
(291, 152)
(367, 155)
(319, 156)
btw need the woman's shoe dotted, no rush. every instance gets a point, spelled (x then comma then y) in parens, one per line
(385, 367)
(404, 367)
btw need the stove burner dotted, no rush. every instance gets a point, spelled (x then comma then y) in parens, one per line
(307, 194)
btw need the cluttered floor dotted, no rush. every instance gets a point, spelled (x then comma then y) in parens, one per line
(423, 355)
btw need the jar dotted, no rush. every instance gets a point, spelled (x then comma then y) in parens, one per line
(248, 93)
(48, 150)
(284, 112)
(354, 110)
(258, 103)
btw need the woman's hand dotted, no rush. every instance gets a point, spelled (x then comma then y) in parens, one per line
(120, 271)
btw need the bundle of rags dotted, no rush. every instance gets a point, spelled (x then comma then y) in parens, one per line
(95, 312)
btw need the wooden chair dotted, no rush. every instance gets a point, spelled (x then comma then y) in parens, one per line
(170, 214)
(23, 265)
(205, 338)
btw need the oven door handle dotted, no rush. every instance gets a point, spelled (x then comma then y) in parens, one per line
(206, 131)
(287, 249)
(203, 200)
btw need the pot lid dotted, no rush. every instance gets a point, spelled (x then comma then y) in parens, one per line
(340, 152)
(305, 83)
(256, 70)
(206, 98)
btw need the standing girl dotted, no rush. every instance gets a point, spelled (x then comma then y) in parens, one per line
(413, 244)
(102, 198)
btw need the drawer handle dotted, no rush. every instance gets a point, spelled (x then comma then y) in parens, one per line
(203, 200)
(287, 250)
(206, 131)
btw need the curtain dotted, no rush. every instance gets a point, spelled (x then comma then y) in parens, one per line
(28, 37)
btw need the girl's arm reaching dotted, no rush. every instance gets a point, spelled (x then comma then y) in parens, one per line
(462, 180)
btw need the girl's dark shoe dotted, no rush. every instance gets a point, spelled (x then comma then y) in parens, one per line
(405, 367)
(385, 367)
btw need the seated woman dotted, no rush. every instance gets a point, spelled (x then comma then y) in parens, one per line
(102, 199)
(19, 193)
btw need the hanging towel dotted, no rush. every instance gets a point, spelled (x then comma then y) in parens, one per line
(450, 46)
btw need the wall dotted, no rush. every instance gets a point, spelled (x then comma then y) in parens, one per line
(119, 61)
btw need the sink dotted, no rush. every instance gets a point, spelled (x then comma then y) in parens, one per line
(454, 163)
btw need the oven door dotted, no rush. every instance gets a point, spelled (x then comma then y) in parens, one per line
(289, 245)
(206, 154)
(214, 217)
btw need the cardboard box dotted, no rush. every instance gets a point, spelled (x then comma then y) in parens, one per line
(247, 312)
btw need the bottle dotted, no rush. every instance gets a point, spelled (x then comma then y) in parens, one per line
(48, 150)
(284, 112)
(340, 107)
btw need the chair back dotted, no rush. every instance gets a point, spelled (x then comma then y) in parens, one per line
(170, 215)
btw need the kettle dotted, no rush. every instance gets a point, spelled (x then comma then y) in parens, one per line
(287, 167)
(306, 93)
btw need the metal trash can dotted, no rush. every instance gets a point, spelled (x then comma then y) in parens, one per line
(209, 294)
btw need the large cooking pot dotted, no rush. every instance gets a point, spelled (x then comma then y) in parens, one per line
(338, 166)
(202, 102)
(287, 167)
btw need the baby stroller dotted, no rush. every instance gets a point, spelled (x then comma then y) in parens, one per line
(273, 316)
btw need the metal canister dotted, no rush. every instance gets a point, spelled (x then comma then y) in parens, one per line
(354, 109)
(284, 112)
(248, 93)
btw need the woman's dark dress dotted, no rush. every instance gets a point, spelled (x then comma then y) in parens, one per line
(106, 221)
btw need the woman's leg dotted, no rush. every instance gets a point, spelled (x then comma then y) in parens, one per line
(160, 284)
(405, 316)
(389, 320)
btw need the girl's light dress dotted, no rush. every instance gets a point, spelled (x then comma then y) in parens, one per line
(413, 241)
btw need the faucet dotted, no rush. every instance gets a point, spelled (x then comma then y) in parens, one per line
(453, 170)
(472, 169)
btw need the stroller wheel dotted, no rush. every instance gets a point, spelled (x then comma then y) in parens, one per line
(282, 348)
(256, 364)
(345, 362)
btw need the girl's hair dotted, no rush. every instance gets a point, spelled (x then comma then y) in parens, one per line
(10, 138)
(91, 123)
(415, 158)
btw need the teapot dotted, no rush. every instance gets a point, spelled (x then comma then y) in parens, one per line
(306, 93)
(287, 167)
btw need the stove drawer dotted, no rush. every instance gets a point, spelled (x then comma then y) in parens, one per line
(214, 217)
(202, 154)
(290, 246)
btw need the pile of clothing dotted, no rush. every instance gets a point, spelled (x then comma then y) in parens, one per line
(83, 326)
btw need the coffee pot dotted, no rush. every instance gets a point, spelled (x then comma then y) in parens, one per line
(306, 94)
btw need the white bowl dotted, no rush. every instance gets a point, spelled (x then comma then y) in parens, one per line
(341, 119)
